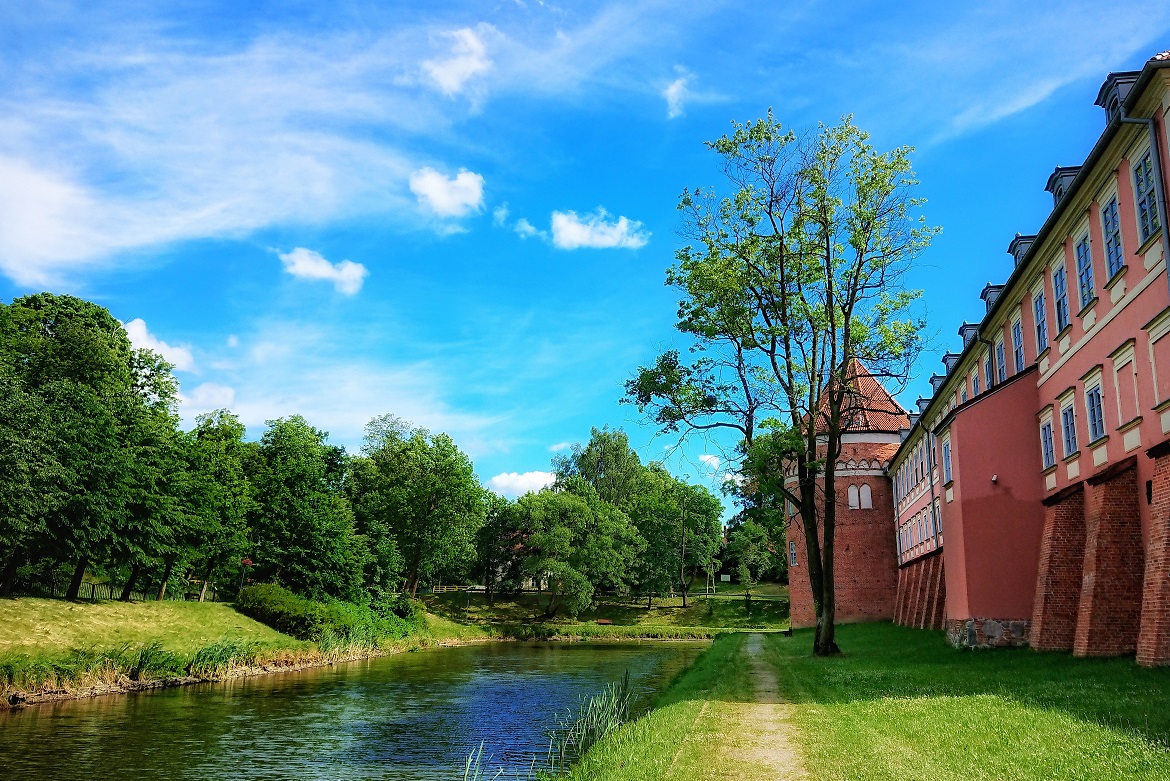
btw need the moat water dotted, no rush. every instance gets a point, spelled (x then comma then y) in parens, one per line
(409, 716)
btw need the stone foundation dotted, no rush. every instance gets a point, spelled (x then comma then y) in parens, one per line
(987, 632)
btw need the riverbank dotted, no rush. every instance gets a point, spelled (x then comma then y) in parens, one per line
(899, 703)
(53, 650)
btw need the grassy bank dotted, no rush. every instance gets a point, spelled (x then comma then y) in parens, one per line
(702, 617)
(901, 704)
(52, 649)
(683, 736)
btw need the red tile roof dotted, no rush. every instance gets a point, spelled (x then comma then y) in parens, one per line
(877, 410)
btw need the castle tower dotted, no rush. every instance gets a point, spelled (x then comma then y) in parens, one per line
(866, 557)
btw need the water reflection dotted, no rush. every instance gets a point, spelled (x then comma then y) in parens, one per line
(412, 716)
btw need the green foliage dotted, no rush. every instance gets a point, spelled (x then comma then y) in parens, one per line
(332, 625)
(422, 490)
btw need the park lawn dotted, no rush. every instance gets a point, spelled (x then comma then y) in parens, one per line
(901, 704)
(684, 736)
(719, 612)
(45, 626)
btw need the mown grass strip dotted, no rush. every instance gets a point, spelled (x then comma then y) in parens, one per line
(902, 704)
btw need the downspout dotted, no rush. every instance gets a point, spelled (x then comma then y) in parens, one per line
(1156, 158)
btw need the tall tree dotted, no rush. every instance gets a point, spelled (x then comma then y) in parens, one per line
(426, 490)
(608, 463)
(221, 496)
(499, 547)
(303, 522)
(794, 275)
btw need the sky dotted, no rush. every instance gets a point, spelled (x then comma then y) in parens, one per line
(461, 213)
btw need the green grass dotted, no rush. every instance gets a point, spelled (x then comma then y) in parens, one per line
(683, 734)
(717, 613)
(901, 704)
(45, 626)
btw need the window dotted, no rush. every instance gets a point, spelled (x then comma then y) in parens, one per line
(866, 497)
(1147, 206)
(987, 371)
(1085, 271)
(791, 509)
(936, 518)
(930, 451)
(1041, 322)
(1046, 450)
(792, 553)
(1112, 230)
(854, 502)
(1060, 296)
(946, 462)
(963, 395)
(975, 383)
(1018, 345)
(1096, 413)
(1068, 427)
(1000, 362)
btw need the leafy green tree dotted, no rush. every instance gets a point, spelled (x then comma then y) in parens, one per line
(499, 548)
(220, 497)
(606, 462)
(425, 489)
(303, 522)
(751, 548)
(793, 276)
(77, 359)
(382, 575)
(29, 473)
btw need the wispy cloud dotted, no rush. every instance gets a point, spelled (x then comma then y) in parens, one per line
(526, 230)
(347, 277)
(596, 231)
(559, 446)
(711, 461)
(513, 484)
(180, 357)
(467, 59)
(455, 196)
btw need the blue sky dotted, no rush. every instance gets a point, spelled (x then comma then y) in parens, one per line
(462, 214)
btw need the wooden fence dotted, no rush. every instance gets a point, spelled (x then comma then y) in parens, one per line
(92, 592)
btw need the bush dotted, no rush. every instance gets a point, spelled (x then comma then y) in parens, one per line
(333, 625)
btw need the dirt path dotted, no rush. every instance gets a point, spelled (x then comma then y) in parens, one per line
(762, 738)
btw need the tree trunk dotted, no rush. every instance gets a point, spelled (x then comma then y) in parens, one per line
(128, 589)
(682, 557)
(162, 587)
(650, 600)
(8, 577)
(206, 578)
(75, 582)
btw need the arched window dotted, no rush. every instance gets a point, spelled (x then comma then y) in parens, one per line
(866, 497)
(792, 554)
(854, 500)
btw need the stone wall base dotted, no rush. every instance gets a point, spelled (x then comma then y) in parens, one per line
(987, 632)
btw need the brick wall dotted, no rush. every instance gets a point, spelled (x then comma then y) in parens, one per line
(865, 559)
(1109, 613)
(1153, 646)
(921, 594)
(1058, 586)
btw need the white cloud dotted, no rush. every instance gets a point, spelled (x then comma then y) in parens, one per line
(515, 484)
(233, 340)
(711, 461)
(456, 196)
(569, 231)
(500, 215)
(347, 277)
(468, 59)
(734, 477)
(206, 397)
(676, 94)
(526, 230)
(141, 338)
(558, 447)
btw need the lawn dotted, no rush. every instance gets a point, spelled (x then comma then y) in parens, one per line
(900, 704)
(44, 626)
(722, 611)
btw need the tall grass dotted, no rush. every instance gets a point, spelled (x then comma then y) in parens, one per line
(571, 735)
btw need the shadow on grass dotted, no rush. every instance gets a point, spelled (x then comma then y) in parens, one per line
(1068, 716)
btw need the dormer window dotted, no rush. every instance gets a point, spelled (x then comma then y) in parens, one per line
(1060, 181)
(1019, 246)
(1114, 91)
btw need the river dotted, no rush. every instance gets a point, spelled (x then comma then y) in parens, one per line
(408, 716)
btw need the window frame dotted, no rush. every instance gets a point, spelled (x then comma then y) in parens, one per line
(1060, 297)
(1114, 247)
(1040, 312)
(1001, 361)
(1068, 428)
(1095, 401)
(1047, 445)
(1145, 197)
(1018, 344)
(948, 475)
(1084, 258)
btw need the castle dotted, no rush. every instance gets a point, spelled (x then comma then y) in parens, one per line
(1043, 454)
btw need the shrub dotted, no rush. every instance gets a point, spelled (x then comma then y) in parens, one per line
(333, 625)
